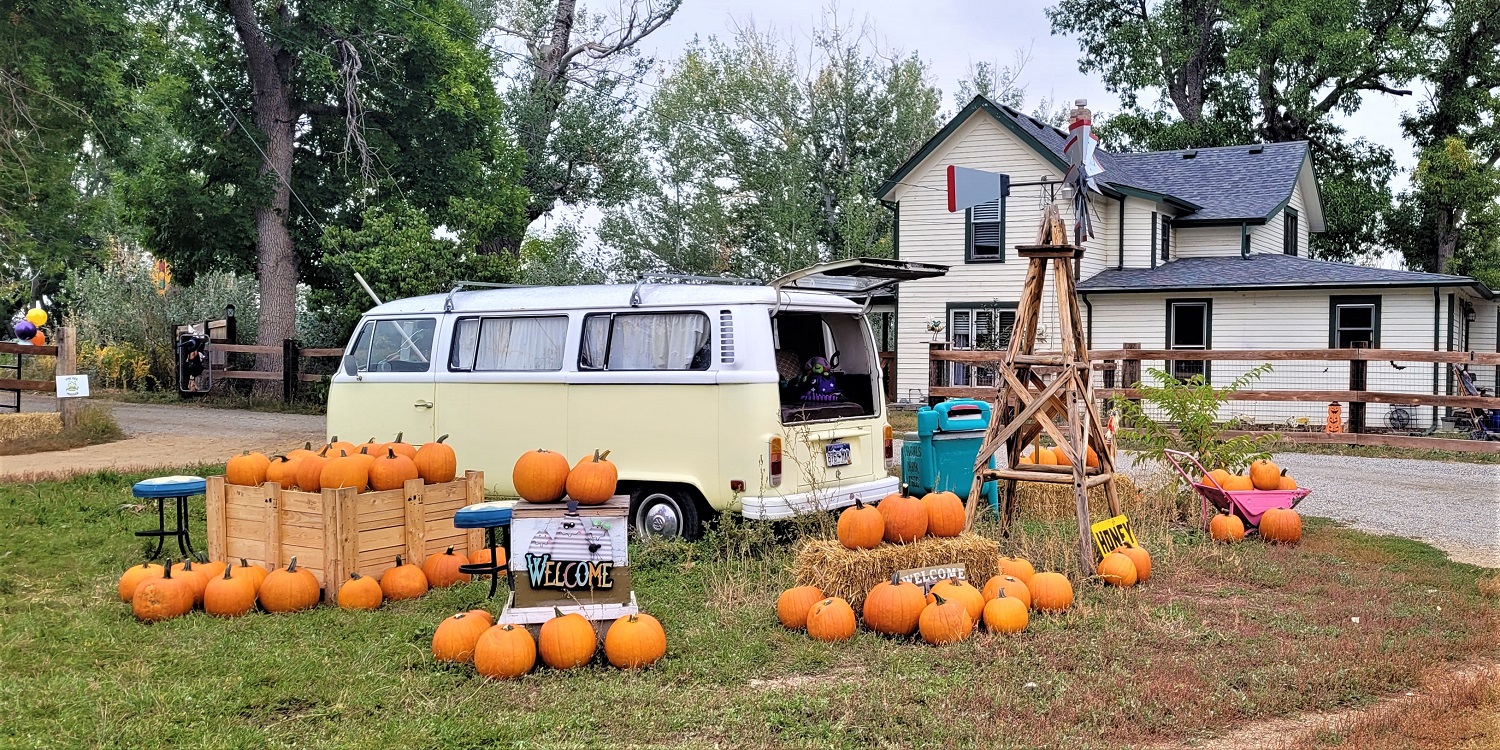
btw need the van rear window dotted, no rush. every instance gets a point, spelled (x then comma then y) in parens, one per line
(645, 341)
(395, 345)
(523, 344)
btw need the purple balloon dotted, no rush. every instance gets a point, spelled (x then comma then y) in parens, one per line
(24, 329)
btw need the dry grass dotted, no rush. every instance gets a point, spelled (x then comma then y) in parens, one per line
(1043, 501)
(851, 573)
(15, 428)
(95, 425)
(1458, 713)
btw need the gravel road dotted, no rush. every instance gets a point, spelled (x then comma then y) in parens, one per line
(1453, 506)
(166, 436)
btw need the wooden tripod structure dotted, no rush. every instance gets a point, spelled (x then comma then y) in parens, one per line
(1028, 406)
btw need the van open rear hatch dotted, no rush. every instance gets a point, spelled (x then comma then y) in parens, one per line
(857, 277)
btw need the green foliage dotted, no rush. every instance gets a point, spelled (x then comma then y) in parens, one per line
(1184, 415)
(1455, 191)
(559, 258)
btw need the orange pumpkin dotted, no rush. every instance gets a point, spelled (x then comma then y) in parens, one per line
(1265, 475)
(310, 471)
(1285, 482)
(210, 569)
(505, 652)
(567, 641)
(457, 636)
(404, 581)
(283, 471)
(227, 596)
(1060, 455)
(945, 514)
(894, 607)
(488, 618)
(1220, 476)
(436, 462)
(360, 592)
(1239, 483)
(1226, 527)
(1117, 570)
(137, 573)
(1028, 457)
(1005, 614)
(303, 452)
(482, 556)
(336, 446)
(962, 592)
(442, 569)
(831, 619)
(247, 469)
(289, 590)
(1046, 456)
(162, 598)
(403, 449)
(945, 621)
(1018, 567)
(1051, 592)
(345, 471)
(793, 605)
(254, 573)
(1010, 586)
(193, 577)
(635, 641)
(860, 527)
(1140, 557)
(592, 482)
(540, 476)
(905, 517)
(1281, 526)
(391, 471)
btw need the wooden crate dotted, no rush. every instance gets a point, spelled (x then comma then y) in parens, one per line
(337, 532)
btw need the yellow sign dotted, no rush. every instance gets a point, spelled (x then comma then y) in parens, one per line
(1112, 533)
(161, 277)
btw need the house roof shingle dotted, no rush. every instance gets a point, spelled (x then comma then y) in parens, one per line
(1263, 271)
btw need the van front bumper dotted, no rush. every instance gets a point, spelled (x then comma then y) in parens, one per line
(773, 507)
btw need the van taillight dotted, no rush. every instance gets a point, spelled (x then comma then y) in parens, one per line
(775, 462)
(890, 448)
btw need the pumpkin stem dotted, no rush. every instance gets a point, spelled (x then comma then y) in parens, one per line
(905, 490)
(634, 618)
(895, 578)
(938, 598)
(449, 552)
(858, 503)
(398, 436)
(1002, 593)
(441, 439)
(292, 566)
(398, 561)
(166, 571)
(355, 576)
(558, 611)
(390, 452)
(187, 563)
(227, 569)
(371, 440)
(243, 563)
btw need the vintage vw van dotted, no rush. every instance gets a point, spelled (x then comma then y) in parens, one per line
(763, 400)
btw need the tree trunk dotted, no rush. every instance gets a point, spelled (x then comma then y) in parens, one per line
(548, 86)
(270, 67)
(1185, 85)
(1446, 232)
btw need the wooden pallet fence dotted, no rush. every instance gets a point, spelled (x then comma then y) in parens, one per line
(337, 532)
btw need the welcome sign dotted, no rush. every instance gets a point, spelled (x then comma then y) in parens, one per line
(563, 559)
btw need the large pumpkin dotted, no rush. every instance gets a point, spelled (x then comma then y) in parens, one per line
(133, 576)
(193, 578)
(310, 471)
(162, 598)
(403, 448)
(482, 556)
(894, 607)
(254, 573)
(345, 471)
(391, 471)
(227, 596)
(945, 621)
(1005, 614)
(303, 452)
(210, 569)
(831, 620)
(457, 636)
(635, 641)
(1265, 475)
(860, 526)
(289, 590)
(505, 652)
(794, 603)
(593, 480)
(1018, 567)
(567, 641)
(1004, 585)
(1226, 527)
(540, 476)
(404, 581)
(360, 592)
(247, 469)
(1238, 483)
(1117, 570)
(283, 471)
(442, 569)
(1281, 526)
(1140, 557)
(1219, 476)
(905, 517)
(945, 514)
(436, 462)
(1285, 482)
(1045, 456)
(1051, 592)
(962, 592)
(336, 446)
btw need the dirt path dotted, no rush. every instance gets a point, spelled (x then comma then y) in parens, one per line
(166, 436)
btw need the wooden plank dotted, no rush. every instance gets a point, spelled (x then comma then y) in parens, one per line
(1077, 428)
(301, 520)
(1369, 355)
(11, 384)
(310, 378)
(253, 550)
(1382, 439)
(378, 520)
(67, 364)
(394, 536)
(46, 350)
(996, 438)
(320, 352)
(271, 531)
(374, 561)
(474, 540)
(441, 528)
(1061, 252)
(416, 526)
(301, 502)
(246, 375)
(1373, 397)
(218, 518)
(332, 542)
(371, 503)
(1054, 469)
(447, 492)
(307, 557)
(245, 349)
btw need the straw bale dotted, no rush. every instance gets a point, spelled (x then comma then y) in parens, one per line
(15, 428)
(1044, 501)
(851, 573)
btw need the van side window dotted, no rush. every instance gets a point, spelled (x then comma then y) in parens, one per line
(527, 344)
(645, 341)
(395, 345)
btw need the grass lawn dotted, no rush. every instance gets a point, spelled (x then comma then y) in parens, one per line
(1218, 636)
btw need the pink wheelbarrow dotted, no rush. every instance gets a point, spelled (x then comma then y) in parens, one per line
(1249, 505)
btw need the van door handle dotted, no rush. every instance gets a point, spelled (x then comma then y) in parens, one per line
(423, 404)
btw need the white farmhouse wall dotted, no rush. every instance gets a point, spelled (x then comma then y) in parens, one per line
(1484, 336)
(1204, 242)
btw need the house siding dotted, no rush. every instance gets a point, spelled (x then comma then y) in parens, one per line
(1205, 242)
(1137, 228)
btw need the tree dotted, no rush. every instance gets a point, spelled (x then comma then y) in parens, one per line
(765, 157)
(1237, 70)
(568, 108)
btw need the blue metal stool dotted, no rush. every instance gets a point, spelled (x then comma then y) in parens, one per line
(488, 516)
(161, 489)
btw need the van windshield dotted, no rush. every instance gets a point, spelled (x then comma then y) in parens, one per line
(825, 365)
(395, 345)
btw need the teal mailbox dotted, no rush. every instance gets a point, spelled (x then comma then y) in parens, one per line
(940, 454)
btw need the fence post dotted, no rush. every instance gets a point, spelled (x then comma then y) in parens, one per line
(1358, 370)
(67, 364)
(291, 365)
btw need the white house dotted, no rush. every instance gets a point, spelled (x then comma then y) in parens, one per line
(1194, 249)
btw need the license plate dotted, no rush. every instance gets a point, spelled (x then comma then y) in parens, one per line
(837, 454)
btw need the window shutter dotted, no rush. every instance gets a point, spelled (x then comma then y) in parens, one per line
(1151, 251)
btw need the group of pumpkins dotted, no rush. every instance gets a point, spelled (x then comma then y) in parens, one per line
(564, 642)
(157, 592)
(369, 466)
(543, 476)
(900, 518)
(1045, 456)
(1277, 525)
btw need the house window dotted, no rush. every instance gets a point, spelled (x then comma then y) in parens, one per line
(1354, 322)
(1189, 326)
(645, 341)
(1166, 238)
(984, 235)
(979, 326)
(1289, 242)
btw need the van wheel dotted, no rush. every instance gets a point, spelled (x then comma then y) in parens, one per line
(665, 513)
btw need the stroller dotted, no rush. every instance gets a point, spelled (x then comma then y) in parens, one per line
(1481, 424)
(1249, 505)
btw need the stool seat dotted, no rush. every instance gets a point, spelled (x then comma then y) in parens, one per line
(483, 515)
(178, 486)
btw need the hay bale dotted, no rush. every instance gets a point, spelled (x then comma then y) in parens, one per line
(16, 428)
(1044, 501)
(851, 573)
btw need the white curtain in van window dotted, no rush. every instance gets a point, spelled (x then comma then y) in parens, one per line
(665, 341)
(521, 344)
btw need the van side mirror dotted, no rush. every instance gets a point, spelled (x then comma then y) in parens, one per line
(350, 367)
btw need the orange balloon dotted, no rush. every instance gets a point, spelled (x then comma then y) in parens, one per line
(40, 339)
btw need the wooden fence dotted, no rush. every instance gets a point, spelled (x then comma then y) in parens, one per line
(66, 353)
(290, 374)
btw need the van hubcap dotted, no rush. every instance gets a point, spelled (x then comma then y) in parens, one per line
(660, 518)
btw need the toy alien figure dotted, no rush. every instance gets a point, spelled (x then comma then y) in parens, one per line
(819, 379)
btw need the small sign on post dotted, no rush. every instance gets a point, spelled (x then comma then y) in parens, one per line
(931, 574)
(1112, 533)
(72, 386)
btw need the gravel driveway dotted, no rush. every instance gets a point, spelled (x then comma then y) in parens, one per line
(1453, 506)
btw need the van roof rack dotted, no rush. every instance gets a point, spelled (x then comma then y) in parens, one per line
(458, 286)
(685, 278)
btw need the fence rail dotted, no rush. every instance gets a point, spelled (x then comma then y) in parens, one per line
(290, 373)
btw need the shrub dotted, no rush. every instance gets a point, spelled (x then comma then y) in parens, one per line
(1189, 420)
